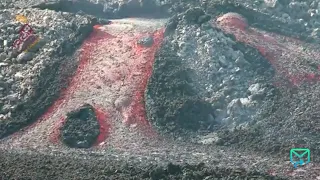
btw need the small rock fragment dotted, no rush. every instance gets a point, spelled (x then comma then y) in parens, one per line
(209, 139)
(223, 61)
(146, 41)
(271, 3)
(18, 75)
(121, 102)
(5, 43)
(12, 97)
(254, 88)
(24, 57)
(3, 64)
(3, 56)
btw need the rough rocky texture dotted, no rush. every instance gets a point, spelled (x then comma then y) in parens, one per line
(31, 80)
(26, 166)
(102, 9)
(206, 84)
(253, 117)
(81, 127)
(278, 109)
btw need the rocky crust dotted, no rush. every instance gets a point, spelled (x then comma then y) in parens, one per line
(81, 128)
(31, 80)
(207, 81)
(235, 114)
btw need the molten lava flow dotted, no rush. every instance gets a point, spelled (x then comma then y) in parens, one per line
(104, 126)
(136, 110)
(112, 75)
(55, 133)
(67, 93)
(288, 56)
(233, 20)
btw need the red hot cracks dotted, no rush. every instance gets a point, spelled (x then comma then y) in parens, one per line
(27, 36)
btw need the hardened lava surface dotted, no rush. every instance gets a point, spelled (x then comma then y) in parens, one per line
(210, 93)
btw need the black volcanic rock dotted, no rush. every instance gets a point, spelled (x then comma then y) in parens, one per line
(81, 128)
(198, 74)
(173, 104)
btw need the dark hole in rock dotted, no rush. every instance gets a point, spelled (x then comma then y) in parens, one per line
(81, 128)
(194, 114)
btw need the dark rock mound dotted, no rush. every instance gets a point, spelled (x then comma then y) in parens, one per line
(189, 97)
(173, 104)
(81, 128)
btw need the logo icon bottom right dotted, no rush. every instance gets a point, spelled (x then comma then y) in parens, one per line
(299, 156)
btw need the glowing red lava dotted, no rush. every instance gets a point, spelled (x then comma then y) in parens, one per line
(284, 53)
(233, 20)
(104, 126)
(137, 113)
(66, 93)
(132, 71)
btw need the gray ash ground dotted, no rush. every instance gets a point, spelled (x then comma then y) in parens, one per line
(241, 109)
(55, 167)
